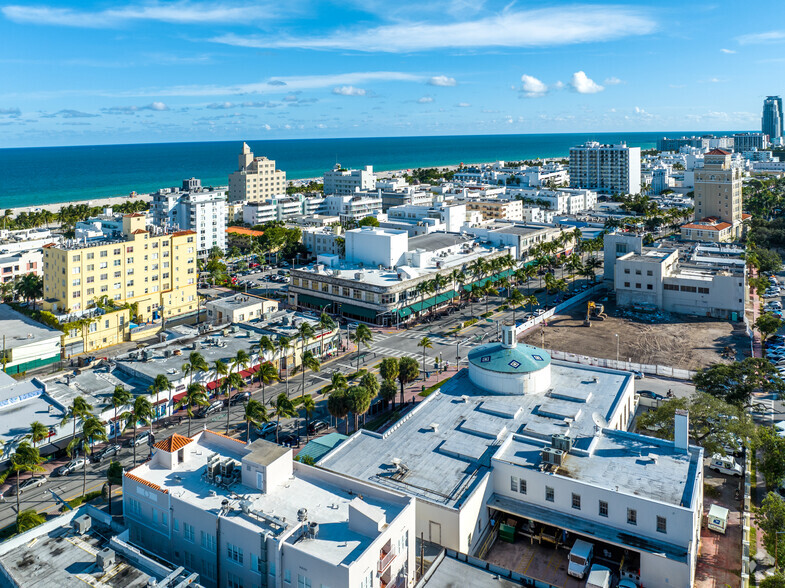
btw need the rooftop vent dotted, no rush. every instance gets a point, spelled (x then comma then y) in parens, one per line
(313, 529)
(105, 558)
(435, 427)
(302, 514)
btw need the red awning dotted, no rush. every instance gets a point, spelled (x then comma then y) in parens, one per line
(254, 369)
(160, 402)
(212, 385)
(178, 397)
(245, 374)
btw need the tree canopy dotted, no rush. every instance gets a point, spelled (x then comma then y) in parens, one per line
(735, 382)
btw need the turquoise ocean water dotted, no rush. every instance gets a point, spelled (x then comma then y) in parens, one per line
(45, 175)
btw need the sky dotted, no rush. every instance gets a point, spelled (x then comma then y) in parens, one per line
(86, 72)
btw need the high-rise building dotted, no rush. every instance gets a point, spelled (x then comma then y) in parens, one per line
(344, 182)
(97, 288)
(193, 208)
(771, 122)
(613, 169)
(718, 191)
(750, 142)
(256, 179)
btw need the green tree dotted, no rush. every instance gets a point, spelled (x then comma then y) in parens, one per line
(735, 382)
(308, 361)
(232, 382)
(359, 400)
(326, 324)
(309, 406)
(775, 581)
(388, 369)
(38, 432)
(79, 409)
(283, 408)
(141, 413)
(515, 300)
(255, 414)
(267, 375)
(93, 430)
(368, 221)
(114, 477)
(28, 519)
(195, 395)
(196, 363)
(424, 343)
(338, 381)
(771, 520)
(338, 406)
(25, 458)
(120, 398)
(284, 344)
(387, 391)
(408, 370)
(768, 324)
(362, 336)
(771, 449)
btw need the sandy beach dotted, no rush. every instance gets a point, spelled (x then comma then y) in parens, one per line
(56, 206)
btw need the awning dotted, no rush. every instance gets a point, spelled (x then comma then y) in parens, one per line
(212, 385)
(178, 397)
(360, 311)
(314, 300)
(245, 374)
(426, 304)
(254, 369)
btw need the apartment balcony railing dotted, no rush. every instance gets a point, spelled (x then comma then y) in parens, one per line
(385, 562)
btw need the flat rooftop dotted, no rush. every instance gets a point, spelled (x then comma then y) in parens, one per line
(522, 230)
(443, 465)
(620, 462)
(20, 330)
(237, 301)
(63, 559)
(435, 241)
(327, 503)
(449, 572)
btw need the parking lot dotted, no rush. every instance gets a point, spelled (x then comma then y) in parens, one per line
(672, 340)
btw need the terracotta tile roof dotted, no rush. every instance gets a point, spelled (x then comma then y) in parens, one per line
(744, 215)
(718, 152)
(130, 476)
(712, 227)
(227, 436)
(138, 231)
(244, 231)
(173, 443)
(133, 215)
(181, 233)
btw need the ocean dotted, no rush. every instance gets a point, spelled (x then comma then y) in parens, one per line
(47, 175)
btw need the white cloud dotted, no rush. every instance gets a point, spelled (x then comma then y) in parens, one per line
(639, 110)
(267, 127)
(157, 106)
(583, 84)
(612, 81)
(176, 12)
(463, 105)
(425, 100)
(348, 91)
(544, 27)
(728, 51)
(442, 81)
(762, 38)
(532, 87)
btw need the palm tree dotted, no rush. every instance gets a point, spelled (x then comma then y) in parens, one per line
(304, 332)
(25, 458)
(195, 395)
(114, 477)
(38, 432)
(338, 382)
(233, 380)
(28, 519)
(422, 289)
(515, 300)
(359, 400)
(408, 370)
(255, 414)
(283, 408)
(92, 430)
(79, 409)
(425, 343)
(489, 291)
(439, 283)
(196, 363)
(267, 375)
(141, 412)
(326, 323)
(308, 361)
(592, 264)
(160, 384)
(120, 398)
(370, 382)
(265, 345)
(284, 344)
(338, 407)
(388, 391)
(221, 371)
(309, 406)
(362, 336)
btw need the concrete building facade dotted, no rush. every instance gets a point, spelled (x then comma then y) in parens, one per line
(772, 119)
(256, 178)
(612, 169)
(718, 191)
(340, 181)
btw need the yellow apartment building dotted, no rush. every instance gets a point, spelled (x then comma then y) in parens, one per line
(493, 209)
(108, 291)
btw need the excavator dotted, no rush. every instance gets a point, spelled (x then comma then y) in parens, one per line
(595, 311)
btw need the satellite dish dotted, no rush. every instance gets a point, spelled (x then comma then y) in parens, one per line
(599, 422)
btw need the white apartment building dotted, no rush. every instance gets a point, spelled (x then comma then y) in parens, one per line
(448, 217)
(16, 265)
(340, 181)
(25, 239)
(656, 279)
(542, 445)
(518, 235)
(560, 201)
(612, 169)
(249, 515)
(258, 213)
(535, 214)
(239, 308)
(284, 208)
(255, 179)
(98, 228)
(26, 344)
(193, 208)
(323, 240)
(352, 208)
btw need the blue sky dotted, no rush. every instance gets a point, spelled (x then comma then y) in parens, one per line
(77, 73)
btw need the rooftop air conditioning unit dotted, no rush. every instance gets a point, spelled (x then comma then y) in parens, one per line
(82, 524)
(552, 456)
(561, 442)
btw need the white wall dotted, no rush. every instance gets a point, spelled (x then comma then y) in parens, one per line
(373, 247)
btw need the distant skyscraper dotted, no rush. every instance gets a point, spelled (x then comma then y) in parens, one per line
(771, 122)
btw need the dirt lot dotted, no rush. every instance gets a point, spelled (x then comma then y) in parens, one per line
(671, 340)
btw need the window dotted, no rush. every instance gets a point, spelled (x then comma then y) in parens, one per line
(632, 516)
(287, 576)
(257, 564)
(626, 270)
(670, 287)
(135, 506)
(626, 284)
(638, 286)
(692, 289)
(576, 501)
(188, 532)
(662, 525)
(522, 486)
(234, 553)
(649, 273)
(233, 581)
(513, 483)
(104, 253)
(548, 494)
(649, 287)
(176, 524)
(208, 541)
(703, 290)
(637, 272)
(303, 582)
(603, 508)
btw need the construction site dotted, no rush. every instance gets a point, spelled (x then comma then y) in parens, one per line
(645, 336)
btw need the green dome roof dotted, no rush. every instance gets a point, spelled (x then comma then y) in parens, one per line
(517, 360)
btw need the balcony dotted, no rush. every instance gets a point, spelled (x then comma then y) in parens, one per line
(385, 559)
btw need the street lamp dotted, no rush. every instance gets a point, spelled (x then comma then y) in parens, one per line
(617, 350)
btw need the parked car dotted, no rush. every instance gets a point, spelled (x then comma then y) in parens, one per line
(267, 429)
(315, 427)
(206, 411)
(34, 482)
(638, 375)
(627, 584)
(239, 397)
(140, 439)
(725, 465)
(69, 467)
(104, 452)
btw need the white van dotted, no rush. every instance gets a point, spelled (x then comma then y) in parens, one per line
(580, 558)
(725, 465)
(599, 577)
(717, 518)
